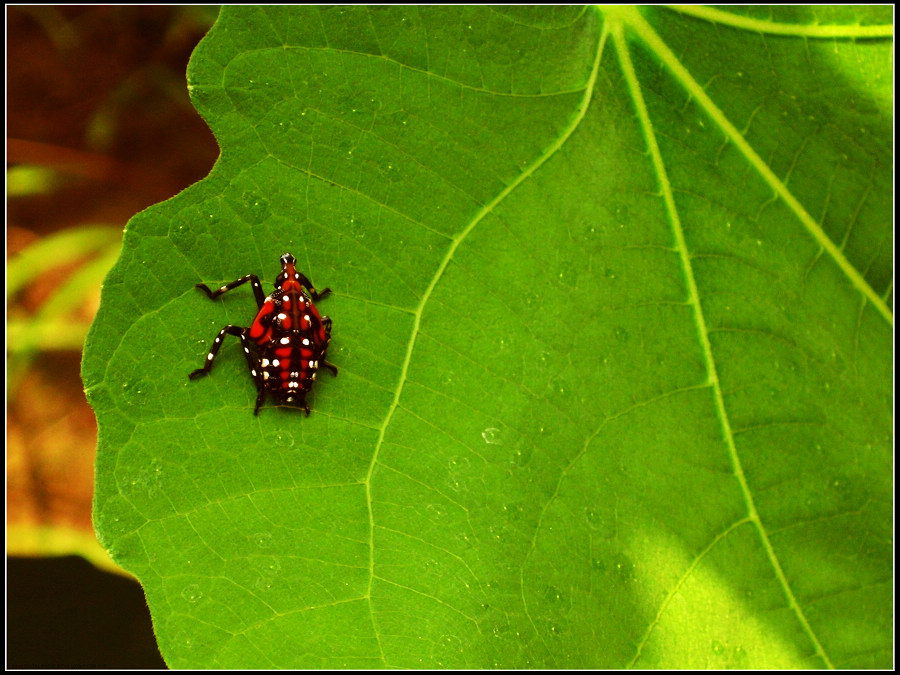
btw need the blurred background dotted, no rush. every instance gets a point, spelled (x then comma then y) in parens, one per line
(99, 126)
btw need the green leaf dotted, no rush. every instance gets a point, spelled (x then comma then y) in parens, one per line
(611, 312)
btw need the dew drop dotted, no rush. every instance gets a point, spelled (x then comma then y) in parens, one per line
(262, 539)
(192, 593)
(491, 436)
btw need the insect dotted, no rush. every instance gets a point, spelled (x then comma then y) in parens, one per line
(287, 341)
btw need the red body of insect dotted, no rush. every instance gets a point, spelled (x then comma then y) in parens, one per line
(287, 341)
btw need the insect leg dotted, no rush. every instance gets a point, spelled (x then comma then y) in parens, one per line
(326, 324)
(252, 363)
(260, 397)
(313, 293)
(252, 278)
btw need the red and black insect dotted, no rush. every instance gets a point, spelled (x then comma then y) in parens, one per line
(287, 341)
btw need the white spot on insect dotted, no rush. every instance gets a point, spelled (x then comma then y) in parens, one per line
(209, 357)
(253, 373)
(295, 373)
(293, 384)
(282, 316)
(276, 362)
(305, 341)
(265, 374)
(285, 298)
(306, 318)
(265, 362)
(286, 341)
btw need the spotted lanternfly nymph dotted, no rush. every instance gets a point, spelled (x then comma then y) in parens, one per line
(287, 341)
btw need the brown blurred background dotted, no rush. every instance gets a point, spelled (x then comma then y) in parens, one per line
(99, 126)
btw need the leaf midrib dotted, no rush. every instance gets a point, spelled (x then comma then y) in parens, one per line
(652, 40)
(551, 150)
(661, 49)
